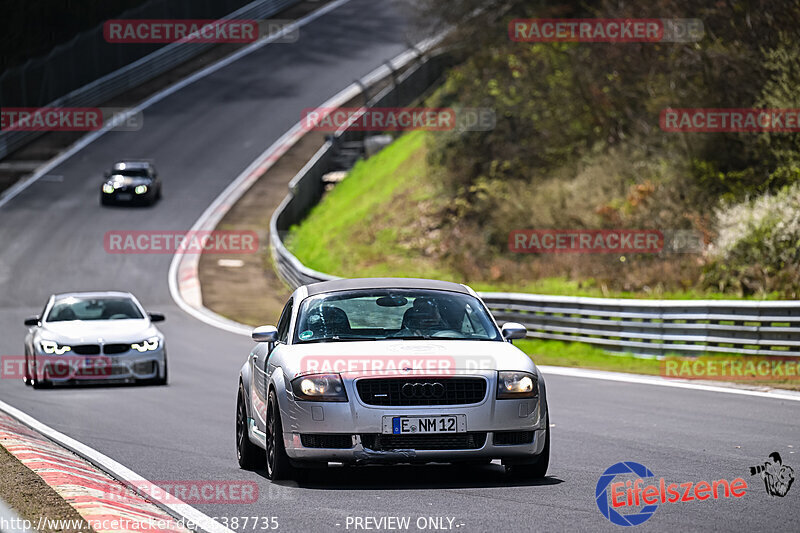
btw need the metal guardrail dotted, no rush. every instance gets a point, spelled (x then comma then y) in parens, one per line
(102, 89)
(641, 327)
(629, 326)
(656, 327)
(306, 188)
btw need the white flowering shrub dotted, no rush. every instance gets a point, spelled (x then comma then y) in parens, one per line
(758, 247)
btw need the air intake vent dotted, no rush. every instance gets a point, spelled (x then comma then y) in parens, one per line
(112, 349)
(444, 441)
(330, 440)
(510, 438)
(87, 349)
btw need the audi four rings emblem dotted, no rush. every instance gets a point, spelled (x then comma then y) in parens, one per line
(423, 390)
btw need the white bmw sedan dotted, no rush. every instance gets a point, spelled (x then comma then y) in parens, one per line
(92, 337)
(390, 371)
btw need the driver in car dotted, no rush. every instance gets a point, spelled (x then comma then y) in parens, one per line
(424, 318)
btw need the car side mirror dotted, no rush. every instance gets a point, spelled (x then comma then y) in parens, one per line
(156, 317)
(513, 330)
(32, 321)
(266, 334)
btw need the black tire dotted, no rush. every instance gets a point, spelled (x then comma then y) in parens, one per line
(26, 377)
(165, 379)
(103, 200)
(157, 380)
(249, 455)
(41, 383)
(278, 465)
(537, 469)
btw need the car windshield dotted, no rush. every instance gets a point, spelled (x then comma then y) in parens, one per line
(393, 314)
(75, 308)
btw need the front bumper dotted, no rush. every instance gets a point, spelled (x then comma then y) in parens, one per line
(128, 196)
(90, 369)
(362, 454)
(363, 425)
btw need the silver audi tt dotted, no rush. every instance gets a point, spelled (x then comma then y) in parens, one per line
(93, 337)
(389, 371)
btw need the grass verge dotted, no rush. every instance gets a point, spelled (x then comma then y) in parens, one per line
(576, 354)
(385, 219)
(379, 222)
(364, 227)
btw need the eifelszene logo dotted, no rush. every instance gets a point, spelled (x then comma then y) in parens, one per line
(602, 497)
(640, 501)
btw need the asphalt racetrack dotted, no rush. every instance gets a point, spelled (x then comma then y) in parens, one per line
(202, 137)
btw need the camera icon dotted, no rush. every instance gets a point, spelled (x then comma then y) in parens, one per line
(777, 476)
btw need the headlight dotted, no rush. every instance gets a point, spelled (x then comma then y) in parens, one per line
(146, 346)
(51, 347)
(108, 188)
(516, 385)
(140, 189)
(320, 388)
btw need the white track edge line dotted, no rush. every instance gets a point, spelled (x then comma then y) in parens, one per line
(238, 187)
(235, 190)
(116, 470)
(86, 140)
(640, 379)
(105, 463)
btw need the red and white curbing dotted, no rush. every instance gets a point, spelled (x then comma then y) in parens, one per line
(188, 282)
(106, 504)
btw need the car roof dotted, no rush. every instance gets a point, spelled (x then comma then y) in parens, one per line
(136, 165)
(385, 283)
(93, 294)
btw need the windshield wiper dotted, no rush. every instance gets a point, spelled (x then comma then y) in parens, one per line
(411, 337)
(339, 338)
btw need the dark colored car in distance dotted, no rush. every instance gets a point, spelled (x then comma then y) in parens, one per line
(131, 182)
